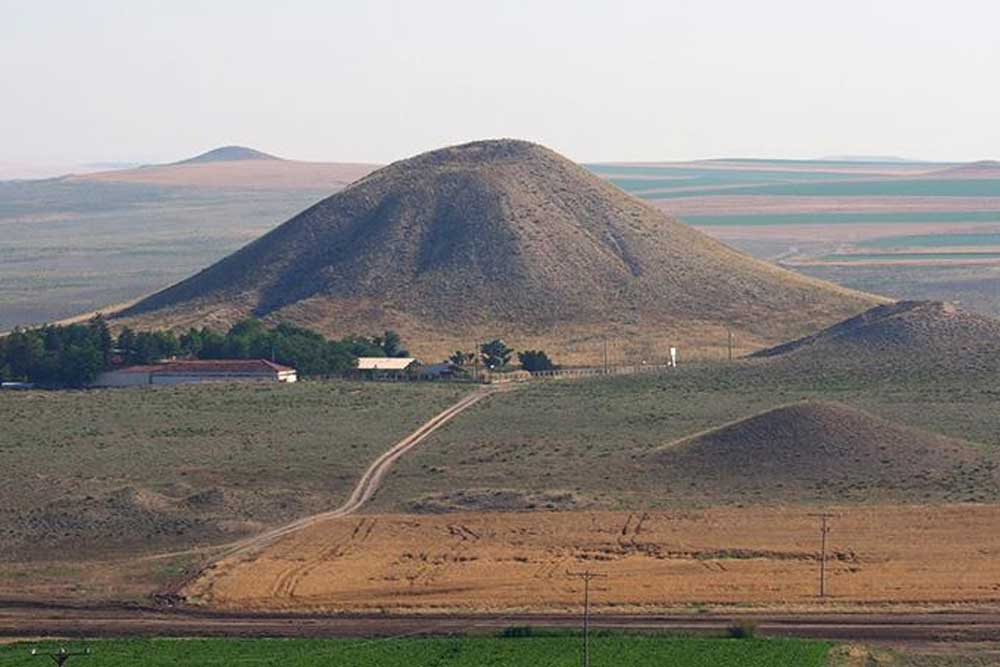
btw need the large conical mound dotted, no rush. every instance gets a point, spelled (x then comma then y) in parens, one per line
(906, 338)
(502, 238)
(822, 451)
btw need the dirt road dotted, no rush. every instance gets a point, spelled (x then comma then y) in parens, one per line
(363, 490)
(914, 629)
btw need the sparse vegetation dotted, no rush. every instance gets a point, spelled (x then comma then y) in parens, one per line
(146, 468)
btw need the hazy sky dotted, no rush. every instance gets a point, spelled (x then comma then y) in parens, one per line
(373, 80)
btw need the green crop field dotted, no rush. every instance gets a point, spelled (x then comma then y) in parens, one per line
(890, 256)
(542, 651)
(857, 188)
(900, 217)
(933, 241)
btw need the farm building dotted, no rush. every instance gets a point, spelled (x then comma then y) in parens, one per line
(444, 370)
(197, 371)
(381, 367)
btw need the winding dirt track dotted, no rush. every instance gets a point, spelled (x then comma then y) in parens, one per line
(363, 490)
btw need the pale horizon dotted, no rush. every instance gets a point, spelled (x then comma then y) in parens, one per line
(375, 82)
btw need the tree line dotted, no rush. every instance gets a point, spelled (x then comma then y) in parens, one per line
(496, 355)
(73, 355)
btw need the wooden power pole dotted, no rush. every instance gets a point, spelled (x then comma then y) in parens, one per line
(824, 531)
(587, 576)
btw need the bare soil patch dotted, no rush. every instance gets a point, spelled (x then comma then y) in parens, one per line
(888, 555)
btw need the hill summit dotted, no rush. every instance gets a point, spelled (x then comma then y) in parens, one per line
(229, 154)
(501, 238)
(817, 450)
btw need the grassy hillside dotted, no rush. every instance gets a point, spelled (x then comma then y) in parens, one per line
(822, 451)
(924, 339)
(500, 238)
(596, 443)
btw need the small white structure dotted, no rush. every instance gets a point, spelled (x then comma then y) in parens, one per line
(673, 357)
(196, 372)
(385, 363)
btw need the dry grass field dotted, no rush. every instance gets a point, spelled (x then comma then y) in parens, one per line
(890, 555)
(106, 473)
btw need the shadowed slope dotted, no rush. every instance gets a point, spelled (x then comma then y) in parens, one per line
(826, 451)
(501, 237)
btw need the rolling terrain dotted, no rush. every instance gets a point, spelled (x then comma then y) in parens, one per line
(924, 366)
(500, 238)
(160, 223)
(847, 221)
(98, 476)
(76, 244)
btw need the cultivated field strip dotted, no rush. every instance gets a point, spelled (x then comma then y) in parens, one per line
(899, 557)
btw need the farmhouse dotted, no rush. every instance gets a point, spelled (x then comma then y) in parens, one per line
(197, 371)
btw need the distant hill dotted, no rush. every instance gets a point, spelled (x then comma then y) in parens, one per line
(235, 168)
(501, 238)
(824, 451)
(908, 337)
(228, 154)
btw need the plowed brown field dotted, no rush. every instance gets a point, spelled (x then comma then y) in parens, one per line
(658, 560)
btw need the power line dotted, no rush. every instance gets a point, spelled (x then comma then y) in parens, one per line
(587, 576)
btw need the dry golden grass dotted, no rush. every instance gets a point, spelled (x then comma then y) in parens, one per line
(912, 555)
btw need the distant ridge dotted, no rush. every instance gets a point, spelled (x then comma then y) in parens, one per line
(229, 154)
(817, 450)
(501, 237)
(988, 169)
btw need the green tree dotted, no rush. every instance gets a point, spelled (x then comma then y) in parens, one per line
(495, 354)
(460, 358)
(535, 360)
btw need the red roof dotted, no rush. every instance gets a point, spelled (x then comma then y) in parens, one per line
(195, 366)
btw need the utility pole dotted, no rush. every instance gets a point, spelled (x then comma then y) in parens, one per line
(475, 362)
(61, 656)
(730, 332)
(586, 575)
(605, 355)
(824, 531)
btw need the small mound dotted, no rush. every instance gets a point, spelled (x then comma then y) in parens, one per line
(229, 154)
(906, 337)
(822, 451)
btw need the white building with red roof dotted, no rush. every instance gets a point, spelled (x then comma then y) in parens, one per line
(197, 371)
